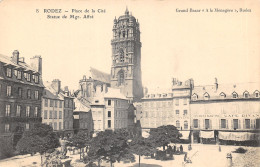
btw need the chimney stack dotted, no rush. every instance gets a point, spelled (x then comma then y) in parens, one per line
(105, 88)
(56, 85)
(36, 64)
(15, 57)
(216, 84)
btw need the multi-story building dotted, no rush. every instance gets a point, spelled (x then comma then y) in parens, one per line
(109, 109)
(169, 108)
(228, 112)
(21, 89)
(82, 116)
(57, 108)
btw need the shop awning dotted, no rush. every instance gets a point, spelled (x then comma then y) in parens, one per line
(185, 135)
(238, 136)
(207, 134)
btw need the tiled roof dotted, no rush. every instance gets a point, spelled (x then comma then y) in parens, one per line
(99, 76)
(227, 89)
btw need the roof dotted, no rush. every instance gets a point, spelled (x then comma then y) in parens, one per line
(50, 93)
(114, 93)
(21, 65)
(80, 106)
(99, 75)
(8, 60)
(227, 89)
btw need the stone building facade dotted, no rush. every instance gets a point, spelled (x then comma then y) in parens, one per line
(168, 108)
(82, 114)
(109, 110)
(126, 57)
(21, 89)
(220, 111)
(57, 108)
(212, 113)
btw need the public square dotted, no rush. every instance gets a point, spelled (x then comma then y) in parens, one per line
(200, 155)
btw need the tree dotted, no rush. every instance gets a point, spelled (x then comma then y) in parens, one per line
(81, 140)
(6, 148)
(142, 146)
(163, 135)
(110, 146)
(40, 138)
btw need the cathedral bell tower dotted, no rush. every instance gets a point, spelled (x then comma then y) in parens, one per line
(126, 57)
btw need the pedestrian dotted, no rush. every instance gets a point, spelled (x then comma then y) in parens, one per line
(185, 157)
(181, 149)
(174, 148)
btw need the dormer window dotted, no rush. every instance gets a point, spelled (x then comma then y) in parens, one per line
(222, 95)
(9, 72)
(194, 97)
(246, 94)
(257, 94)
(206, 96)
(234, 95)
(36, 79)
(19, 74)
(28, 77)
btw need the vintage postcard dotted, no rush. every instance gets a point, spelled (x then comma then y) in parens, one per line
(129, 83)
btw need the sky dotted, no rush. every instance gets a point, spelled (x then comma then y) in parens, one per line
(198, 45)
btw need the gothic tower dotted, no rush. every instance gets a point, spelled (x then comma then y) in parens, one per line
(126, 57)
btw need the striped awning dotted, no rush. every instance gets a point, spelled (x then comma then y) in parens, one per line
(207, 134)
(238, 136)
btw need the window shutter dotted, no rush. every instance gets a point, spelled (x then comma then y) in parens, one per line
(219, 123)
(253, 123)
(210, 126)
(239, 124)
(232, 124)
(227, 124)
(198, 123)
(244, 124)
(204, 127)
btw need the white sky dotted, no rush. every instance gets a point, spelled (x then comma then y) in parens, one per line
(201, 46)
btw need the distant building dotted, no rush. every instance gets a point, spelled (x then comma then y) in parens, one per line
(168, 108)
(57, 108)
(21, 89)
(82, 116)
(226, 112)
(87, 86)
(109, 109)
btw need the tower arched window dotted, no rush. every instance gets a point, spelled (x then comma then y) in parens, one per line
(121, 78)
(122, 57)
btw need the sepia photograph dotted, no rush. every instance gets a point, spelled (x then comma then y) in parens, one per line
(129, 83)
